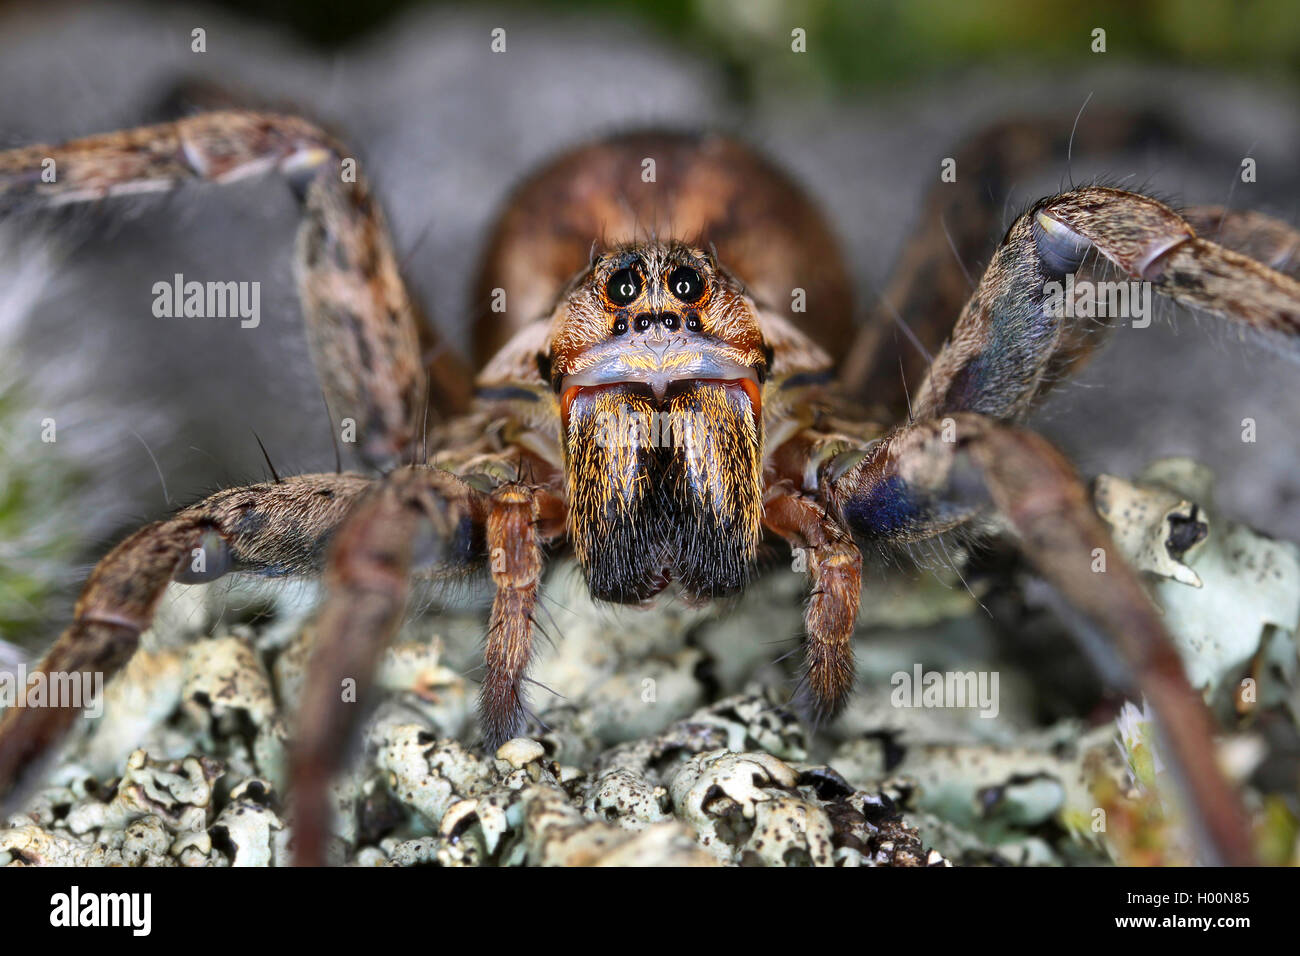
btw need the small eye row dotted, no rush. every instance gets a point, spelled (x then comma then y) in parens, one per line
(669, 320)
(624, 286)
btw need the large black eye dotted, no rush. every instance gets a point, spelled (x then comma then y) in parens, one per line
(623, 287)
(686, 284)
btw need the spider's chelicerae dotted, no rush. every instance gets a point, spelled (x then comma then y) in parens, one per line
(659, 392)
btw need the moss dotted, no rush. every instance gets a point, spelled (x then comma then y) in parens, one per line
(38, 530)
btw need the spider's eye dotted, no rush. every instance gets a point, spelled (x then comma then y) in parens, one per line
(620, 326)
(686, 283)
(623, 287)
(693, 321)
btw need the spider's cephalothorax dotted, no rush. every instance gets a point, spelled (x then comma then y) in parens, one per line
(659, 412)
(658, 362)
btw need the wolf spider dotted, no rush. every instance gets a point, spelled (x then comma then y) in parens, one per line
(626, 300)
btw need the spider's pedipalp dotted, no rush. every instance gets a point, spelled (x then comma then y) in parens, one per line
(834, 566)
(516, 556)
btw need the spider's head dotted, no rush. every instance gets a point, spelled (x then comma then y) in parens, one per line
(659, 362)
(655, 314)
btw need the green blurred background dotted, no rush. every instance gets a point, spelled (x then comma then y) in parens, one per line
(864, 43)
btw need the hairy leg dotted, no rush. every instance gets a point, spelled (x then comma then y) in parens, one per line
(365, 332)
(273, 529)
(1269, 241)
(1006, 351)
(958, 224)
(370, 533)
(367, 583)
(1009, 346)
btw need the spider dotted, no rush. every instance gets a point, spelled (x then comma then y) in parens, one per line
(660, 392)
